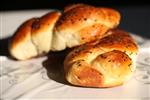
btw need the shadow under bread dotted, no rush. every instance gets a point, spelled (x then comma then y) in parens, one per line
(55, 67)
(4, 43)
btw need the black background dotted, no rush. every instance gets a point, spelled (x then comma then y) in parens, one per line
(135, 14)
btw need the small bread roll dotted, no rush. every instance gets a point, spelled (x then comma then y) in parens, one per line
(106, 62)
(82, 23)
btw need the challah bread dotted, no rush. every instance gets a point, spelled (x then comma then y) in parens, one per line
(82, 23)
(106, 62)
(34, 37)
(78, 24)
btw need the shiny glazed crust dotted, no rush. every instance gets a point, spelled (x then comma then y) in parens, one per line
(77, 25)
(106, 62)
(82, 23)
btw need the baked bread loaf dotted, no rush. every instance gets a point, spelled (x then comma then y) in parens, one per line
(106, 62)
(77, 25)
(34, 37)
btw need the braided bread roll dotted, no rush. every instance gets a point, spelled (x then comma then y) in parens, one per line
(106, 62)
(78, 24)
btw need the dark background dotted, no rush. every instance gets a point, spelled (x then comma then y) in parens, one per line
(135, 14)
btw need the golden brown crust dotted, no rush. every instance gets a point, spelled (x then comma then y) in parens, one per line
(116, 67)
(85, 14)
(46, 21)
(91, 33)
(80, 20)
(79, 24)
(71, 6)
(119, 40)
(110, 56)
(22, 33)
(84, 76)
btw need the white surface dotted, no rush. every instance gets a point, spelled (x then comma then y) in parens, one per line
(28, 79)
